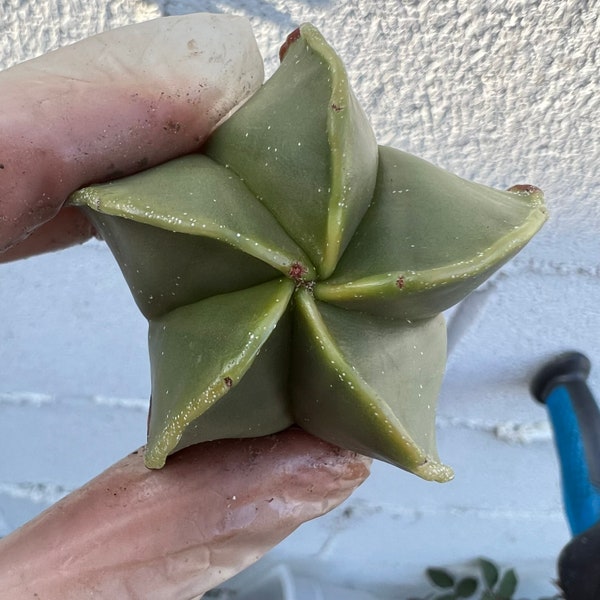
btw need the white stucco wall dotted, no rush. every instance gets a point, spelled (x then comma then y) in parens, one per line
(502, 93)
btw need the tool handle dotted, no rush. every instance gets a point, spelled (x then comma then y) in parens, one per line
(579, 568)
(575, 418)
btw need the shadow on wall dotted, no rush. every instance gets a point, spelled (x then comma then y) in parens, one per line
(249, 8)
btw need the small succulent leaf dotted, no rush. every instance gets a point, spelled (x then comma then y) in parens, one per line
(200, 352)
(305, 120)
(166, 270)
(508, 585)
(466, 587)
(369, 384)
(428, 239)
(440, 577)
(194, 195)
(490, 572)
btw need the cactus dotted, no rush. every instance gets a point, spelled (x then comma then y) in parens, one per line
(293, 272)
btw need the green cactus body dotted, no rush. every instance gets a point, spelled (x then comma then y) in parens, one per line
(295, 272)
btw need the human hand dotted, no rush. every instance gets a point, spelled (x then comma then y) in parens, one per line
(215, 508)
(111, 105)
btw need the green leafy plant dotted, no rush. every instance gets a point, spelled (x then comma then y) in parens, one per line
(488, 582)
(295, 272)
(453, 588)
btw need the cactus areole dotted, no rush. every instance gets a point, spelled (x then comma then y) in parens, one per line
(294, 272)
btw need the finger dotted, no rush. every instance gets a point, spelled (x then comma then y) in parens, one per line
(176, 533)
(114, 104)
(69, 227)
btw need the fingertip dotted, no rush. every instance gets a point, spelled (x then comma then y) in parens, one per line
(70, 227)
(112, 105)
(214, 509)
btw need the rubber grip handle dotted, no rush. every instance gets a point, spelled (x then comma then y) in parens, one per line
(575, 419)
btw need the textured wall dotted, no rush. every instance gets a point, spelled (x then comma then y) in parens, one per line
(497, 94)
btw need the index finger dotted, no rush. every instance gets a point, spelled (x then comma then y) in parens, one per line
(114, 104)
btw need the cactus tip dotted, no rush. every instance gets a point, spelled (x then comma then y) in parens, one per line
(526, 189)
(295, 35)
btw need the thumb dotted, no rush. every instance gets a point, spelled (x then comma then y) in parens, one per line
(216, 507)
(113, 104)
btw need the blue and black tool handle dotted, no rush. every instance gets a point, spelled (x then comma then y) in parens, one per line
(562, 386)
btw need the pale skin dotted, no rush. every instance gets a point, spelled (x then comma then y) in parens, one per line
(108, 106)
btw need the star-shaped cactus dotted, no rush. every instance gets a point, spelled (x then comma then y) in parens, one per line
(295, 272)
